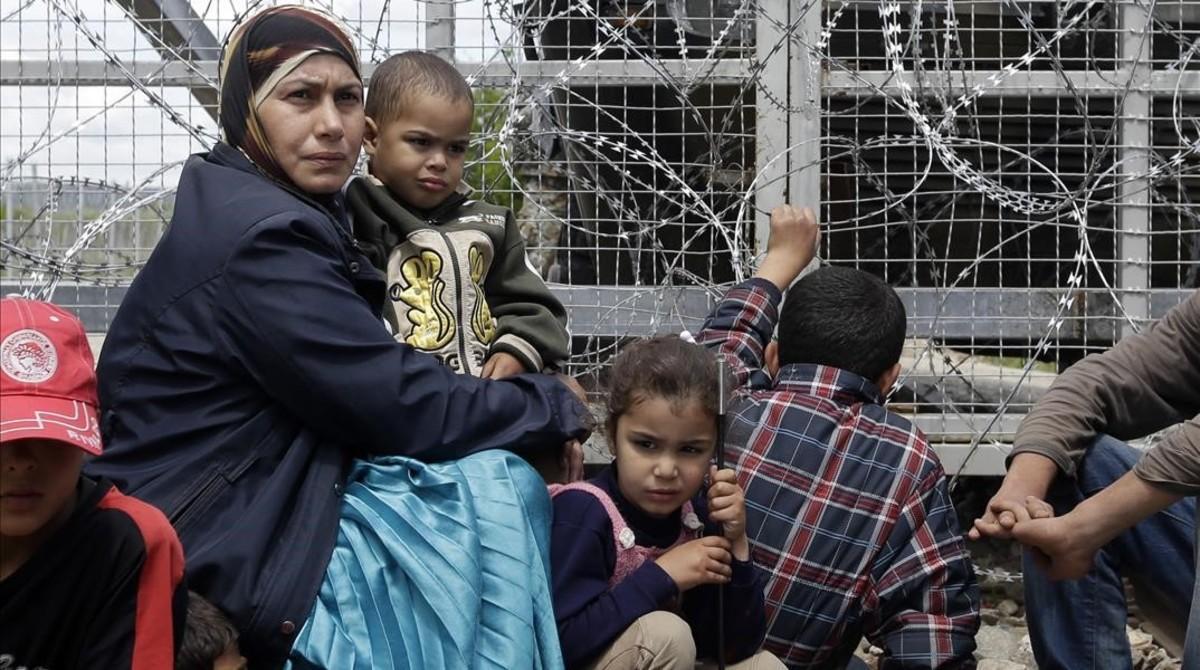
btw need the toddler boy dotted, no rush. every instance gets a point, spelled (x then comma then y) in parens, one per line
(457, 274)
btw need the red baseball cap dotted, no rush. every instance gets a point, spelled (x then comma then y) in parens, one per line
(47, 377)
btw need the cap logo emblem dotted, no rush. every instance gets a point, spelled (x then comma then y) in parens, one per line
(28, 357)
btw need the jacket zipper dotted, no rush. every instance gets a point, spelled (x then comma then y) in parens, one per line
(458, 304)
(196, 502)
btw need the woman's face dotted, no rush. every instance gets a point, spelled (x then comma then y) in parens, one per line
(314, 123)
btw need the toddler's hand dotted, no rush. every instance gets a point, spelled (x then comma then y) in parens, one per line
(500, 365)
(727, 506)
(703, 561)
(791, 246)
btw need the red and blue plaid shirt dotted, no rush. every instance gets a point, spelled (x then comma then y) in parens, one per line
(847, 508)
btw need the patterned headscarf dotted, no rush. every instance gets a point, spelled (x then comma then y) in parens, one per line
(260, 53)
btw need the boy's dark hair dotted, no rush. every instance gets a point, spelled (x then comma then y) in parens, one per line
(399, 80)
(843, 318)
(664, 366)
(207, 634)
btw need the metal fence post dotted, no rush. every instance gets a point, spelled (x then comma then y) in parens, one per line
(804, 121)
(771, 116)
(788, 109)
(439, 28)
(1133, 222)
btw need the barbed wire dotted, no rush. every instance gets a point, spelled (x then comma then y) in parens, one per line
(916, 140)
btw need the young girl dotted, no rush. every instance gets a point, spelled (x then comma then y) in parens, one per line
(635, 574)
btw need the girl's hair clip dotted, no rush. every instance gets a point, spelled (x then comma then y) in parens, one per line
(687, 337)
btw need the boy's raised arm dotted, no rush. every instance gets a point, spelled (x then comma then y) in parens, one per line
(742, 324)
(791, 245)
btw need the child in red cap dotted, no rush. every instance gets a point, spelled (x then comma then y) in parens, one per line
(89, 578)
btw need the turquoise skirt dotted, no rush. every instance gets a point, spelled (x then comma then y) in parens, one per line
(437, 566)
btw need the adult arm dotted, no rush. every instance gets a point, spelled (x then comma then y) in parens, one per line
(924, 607)
(291, 319)
(531, 323)
(1068, 544)
(1144, 383)
(590, 615)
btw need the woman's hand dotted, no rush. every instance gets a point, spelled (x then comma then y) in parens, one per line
(727, 506)
(572, 384)
(703, 561)
(572, 461)
(500, 365)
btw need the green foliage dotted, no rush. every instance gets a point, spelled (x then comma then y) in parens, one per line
(486, 174)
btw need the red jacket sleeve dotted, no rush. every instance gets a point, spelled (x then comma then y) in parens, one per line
(141, 628)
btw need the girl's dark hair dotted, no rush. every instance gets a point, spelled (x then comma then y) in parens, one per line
(664, 366)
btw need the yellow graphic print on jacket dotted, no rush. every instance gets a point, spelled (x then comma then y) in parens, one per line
(481, 318)
(424, 293)
(436, 281)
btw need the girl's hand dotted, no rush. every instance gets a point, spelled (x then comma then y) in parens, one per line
(703, 561)
(727, 506)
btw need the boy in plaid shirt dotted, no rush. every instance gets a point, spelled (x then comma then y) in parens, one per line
(847, 505)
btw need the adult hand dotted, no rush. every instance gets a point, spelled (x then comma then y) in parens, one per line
(791, 245)
(727, 506)
(588, 419)
(1004, 511)
(702, 561)
(572, 461)
(1056, 545)
(501, 365)
(572, 384)
(1029, 477)
(1067, 544)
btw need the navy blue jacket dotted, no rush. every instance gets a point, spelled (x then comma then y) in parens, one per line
(245, 368)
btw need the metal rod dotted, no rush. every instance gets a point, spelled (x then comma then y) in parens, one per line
(721, 405)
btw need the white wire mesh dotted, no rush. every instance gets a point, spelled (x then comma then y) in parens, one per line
(1025, 172)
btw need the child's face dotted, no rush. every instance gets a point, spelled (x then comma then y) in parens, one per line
(230, 659)
(663, 450)
(37, 483)
(420, 155)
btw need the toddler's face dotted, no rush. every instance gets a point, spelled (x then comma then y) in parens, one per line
(663, 449)
(420, 155)
(37, 482)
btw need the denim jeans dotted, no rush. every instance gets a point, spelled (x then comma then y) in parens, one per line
(1081, 623)
(1191, 651)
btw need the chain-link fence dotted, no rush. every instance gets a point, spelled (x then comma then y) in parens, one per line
(1024, 172)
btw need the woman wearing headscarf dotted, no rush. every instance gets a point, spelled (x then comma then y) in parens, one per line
(250, 389)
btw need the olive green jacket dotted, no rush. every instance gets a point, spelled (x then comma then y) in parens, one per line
(459, 282)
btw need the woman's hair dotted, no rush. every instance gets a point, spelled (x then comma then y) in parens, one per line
(666, 367)
(206, 635)
(260, 52)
